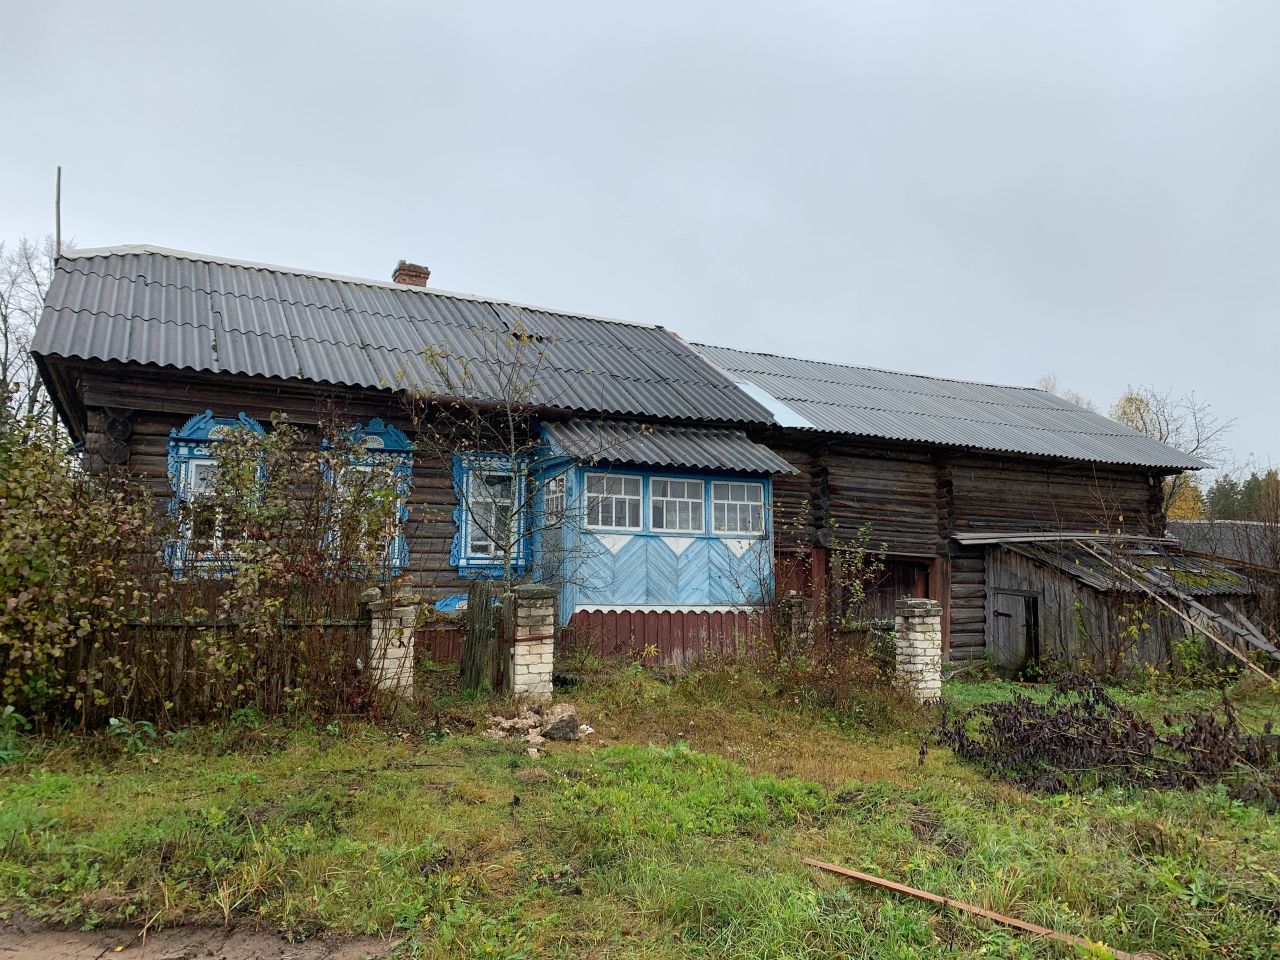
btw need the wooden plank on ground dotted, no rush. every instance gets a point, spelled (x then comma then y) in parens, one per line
(965, 907)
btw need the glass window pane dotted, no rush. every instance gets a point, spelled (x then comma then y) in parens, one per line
(633, 513)
(695, 516)
(658, 514)
(201, 476)
(754, 492)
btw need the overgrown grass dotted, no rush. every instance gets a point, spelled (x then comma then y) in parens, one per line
(678, 831)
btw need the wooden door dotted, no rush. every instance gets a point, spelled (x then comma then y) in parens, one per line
(1016, 633)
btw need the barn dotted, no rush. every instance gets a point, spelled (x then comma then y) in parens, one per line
(953, 480)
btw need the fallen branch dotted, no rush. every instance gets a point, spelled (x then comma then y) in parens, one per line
(965, 907)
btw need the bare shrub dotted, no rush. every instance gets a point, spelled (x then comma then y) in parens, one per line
(1082, 738)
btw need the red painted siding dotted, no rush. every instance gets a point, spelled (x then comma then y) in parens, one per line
(679, 637)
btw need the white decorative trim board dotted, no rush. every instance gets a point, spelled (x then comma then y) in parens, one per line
(678, 545)
(661, 608)
(613, 542)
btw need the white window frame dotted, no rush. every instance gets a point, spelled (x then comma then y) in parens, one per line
(737, 506)
(555, 500)
(497, 555)
(189, 494)
(395, 529)
(587, 497)
(670, 503)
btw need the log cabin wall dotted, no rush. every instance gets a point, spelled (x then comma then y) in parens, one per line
(914, 499)
(153, 403)
(892, 492)
(968, 635)
(1018, 493)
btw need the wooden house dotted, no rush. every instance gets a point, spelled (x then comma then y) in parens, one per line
(686, 481)
(150, 354)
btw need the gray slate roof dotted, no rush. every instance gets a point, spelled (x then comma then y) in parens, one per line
(176, 309)
(664, 445)
(1246, 540)
(865, 402)
(1170, 573)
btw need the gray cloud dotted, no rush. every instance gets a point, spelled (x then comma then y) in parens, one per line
(983, 190)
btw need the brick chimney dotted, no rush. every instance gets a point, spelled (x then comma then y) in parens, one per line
(414, 274)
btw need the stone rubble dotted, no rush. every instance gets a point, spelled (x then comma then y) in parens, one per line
(536, 725)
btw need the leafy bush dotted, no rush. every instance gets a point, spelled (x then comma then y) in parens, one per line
(66, 579)
(267, 615)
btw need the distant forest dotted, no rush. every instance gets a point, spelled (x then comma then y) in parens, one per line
(1255, 498)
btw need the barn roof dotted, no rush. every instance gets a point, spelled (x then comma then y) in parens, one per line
(867, 402)
(170, 308)
(1158, 569)
(1248, 541)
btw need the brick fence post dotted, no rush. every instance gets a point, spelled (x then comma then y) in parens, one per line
(391, 627)
(918, 640)
(533, 646)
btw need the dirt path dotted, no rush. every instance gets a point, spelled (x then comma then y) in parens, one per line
(32, 942)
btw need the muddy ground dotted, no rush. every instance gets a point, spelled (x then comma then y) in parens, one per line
(28, 941)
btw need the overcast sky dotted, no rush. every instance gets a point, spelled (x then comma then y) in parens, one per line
(980, 190)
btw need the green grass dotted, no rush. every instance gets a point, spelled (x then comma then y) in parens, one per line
(678, 832)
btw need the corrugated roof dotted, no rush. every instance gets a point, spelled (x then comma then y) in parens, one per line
(189, 311)
(664, 445)
(865, 402)
(1169, 573)
(1249, 541)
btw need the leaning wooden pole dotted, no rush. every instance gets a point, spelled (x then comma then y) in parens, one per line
(1180, 614)
(977, 911)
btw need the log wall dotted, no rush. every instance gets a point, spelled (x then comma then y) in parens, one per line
(159, 402)
(1002, 494)
(912, 499)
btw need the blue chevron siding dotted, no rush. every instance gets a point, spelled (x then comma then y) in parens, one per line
(646, 571)
(693, 572)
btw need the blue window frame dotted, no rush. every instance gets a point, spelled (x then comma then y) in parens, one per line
(200, 546)
(386, 444)
(490, 516)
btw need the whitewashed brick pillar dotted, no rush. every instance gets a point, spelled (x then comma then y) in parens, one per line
(918, 635)
(392, 623)
(533, 647)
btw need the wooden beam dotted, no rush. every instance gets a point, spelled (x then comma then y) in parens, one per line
(1000, 918)
(1180, 614)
